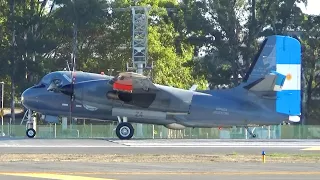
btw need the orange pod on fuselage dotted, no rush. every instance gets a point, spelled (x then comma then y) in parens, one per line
(123, 85)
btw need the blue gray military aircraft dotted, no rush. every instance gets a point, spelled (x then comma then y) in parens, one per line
(268, 95)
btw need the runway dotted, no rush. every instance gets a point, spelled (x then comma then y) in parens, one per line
(168, 166)
(145, 171)
(156, 146)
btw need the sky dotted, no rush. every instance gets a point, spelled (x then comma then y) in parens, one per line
(313, 7)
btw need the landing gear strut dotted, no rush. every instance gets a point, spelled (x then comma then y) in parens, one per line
(251, 132)
(124, 130)
(31, 124)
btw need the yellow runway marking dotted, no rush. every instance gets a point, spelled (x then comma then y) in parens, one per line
(215, 173)
(53, 176)
(79, 175)
(316, 148)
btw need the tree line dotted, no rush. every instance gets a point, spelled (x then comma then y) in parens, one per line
(37, 37)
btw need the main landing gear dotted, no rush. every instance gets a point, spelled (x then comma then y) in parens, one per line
(251, 132)
(124, 130)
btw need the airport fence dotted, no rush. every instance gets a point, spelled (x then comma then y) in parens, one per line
(161, 132)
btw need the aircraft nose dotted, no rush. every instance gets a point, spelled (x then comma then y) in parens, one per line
(25, 98)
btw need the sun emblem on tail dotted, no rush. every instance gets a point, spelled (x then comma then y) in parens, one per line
(289, 76)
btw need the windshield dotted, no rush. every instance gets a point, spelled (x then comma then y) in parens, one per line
(46, 79)
(55, 77)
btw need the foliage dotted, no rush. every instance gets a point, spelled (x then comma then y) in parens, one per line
(311, 57)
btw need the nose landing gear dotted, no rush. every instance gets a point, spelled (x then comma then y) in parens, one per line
(31, 125)
(31, 133)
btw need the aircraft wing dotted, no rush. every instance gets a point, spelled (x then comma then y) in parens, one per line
(271, 82)
(134, 91)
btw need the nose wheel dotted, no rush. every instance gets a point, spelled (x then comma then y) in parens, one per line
(31, 133)
(124, 131)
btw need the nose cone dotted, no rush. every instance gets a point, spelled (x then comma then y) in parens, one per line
(25, 98)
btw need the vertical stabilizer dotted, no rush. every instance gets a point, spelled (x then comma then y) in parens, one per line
(275, 74)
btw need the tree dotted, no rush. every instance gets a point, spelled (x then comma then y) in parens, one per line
(311, 55)
(229, 32)
(167, 49)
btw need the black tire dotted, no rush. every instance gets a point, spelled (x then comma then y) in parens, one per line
(124, 131)
(31, 133)
(254, 135)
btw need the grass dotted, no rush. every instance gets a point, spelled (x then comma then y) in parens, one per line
(309, 155)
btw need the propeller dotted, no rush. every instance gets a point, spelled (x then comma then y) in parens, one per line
(56, 87)
(72, 95)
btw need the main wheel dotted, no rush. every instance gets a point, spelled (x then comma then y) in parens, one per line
(31, 133)
(124, 130)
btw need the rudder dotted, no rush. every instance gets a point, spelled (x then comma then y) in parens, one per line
(289, 63)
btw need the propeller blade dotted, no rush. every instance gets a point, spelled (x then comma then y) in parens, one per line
(72, 95)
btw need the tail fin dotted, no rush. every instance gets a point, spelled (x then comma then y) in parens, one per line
(276, 73)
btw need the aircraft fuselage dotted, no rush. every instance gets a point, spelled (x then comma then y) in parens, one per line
(188, 108)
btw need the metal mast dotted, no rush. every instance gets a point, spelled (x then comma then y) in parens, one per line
(139, 43)
(139, 37)
(139, 57)
(75, 34)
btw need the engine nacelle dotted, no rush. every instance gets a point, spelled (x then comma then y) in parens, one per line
(175, 126)
(138, 99)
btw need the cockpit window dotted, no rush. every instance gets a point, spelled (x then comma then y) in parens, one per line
(54, 77)
(46, 79)
(67, 77)
(57, 82)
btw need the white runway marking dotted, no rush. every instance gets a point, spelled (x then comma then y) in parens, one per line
(48, 146)
(155, 146)
(163, 143)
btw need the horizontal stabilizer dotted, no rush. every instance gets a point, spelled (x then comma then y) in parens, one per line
(294, 118)
(271, 82)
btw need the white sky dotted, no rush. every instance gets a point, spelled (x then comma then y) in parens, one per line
(313, 7)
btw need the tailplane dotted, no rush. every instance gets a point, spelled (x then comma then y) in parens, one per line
(275, 75)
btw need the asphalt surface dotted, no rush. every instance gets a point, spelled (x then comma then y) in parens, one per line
(159, 146)
(141, 171)
(162, 171)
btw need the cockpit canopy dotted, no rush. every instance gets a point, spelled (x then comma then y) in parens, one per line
(57, 78)
(62, 78)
